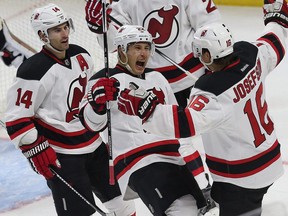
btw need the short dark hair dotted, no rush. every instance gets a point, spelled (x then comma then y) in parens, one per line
(224, 60)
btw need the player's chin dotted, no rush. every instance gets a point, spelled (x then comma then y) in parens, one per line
(65, 46)
(140, 67)
(139, 70)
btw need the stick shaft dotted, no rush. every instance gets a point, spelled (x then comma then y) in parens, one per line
(106, 60)
(95, 207)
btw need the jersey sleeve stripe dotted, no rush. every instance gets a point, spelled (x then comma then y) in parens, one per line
(176, 121)
(183, 122)
(190, 122)
(19, 127)
(275, 43)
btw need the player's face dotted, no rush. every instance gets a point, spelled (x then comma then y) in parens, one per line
(59, 37)
(138, 55)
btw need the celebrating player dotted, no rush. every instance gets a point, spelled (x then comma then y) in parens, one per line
(146, 165)
(42, 120)
(229, 109)
(172, 24)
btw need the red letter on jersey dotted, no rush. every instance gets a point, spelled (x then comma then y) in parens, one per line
(82, 62)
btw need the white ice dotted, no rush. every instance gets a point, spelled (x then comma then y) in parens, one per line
(246, 23)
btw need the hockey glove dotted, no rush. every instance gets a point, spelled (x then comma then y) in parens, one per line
(276, 11)
(93, 10)
(105, 89)
(139, 102)
(40, 156)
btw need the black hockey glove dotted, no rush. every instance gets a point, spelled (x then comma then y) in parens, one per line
(276, 11)
(139, 102)
(93, 10)
(105, 89)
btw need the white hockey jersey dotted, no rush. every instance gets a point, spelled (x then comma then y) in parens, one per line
(132, 147)
(172, 23)
(46, 95)
(228, 108)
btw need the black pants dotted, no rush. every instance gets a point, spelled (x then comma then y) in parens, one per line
(235, 201)
(160, 184)
(86, 173)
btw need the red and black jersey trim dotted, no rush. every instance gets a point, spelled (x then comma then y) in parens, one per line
(18, 127)
(174, 74)
(124, 162)
(194, 163)
(275, 43)
(68, 140)
(183, 122)
(35, 67)
(245, 167)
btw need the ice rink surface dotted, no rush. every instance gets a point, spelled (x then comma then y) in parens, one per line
(246, 23)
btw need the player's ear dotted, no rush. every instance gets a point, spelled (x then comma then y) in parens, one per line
(206, 56)
(121, 54)
(42, 36)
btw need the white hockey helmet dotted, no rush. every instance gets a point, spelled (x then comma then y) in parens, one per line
(215, 37)
(48, 17)
(128, 34)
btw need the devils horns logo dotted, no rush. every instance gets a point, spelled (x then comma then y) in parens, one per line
(77, 90)
(162, 25)
(76, 93)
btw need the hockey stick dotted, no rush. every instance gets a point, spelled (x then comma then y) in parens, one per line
(106, 61)
(162, 54)
(12, 37)
(2, 124)
(95, 207)
(109, 130)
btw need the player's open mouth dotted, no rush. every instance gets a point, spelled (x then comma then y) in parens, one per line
(140, 64)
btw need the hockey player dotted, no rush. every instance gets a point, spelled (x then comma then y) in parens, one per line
(13, 51)
(229, 109)
(172, 24)
(146, 165)
(42, 120)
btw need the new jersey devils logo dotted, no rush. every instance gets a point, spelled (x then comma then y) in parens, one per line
(76, 93)
(162, 25)
(77, 90)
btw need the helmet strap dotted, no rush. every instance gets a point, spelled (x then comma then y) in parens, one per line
(125, 64)
(47, 43)
(52, 48)
(206, 64)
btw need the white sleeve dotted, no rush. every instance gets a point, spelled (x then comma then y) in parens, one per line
(36, 93)
(174, 122)
(94, 121)
(111, 33)
(274, 38)
(201, 13)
